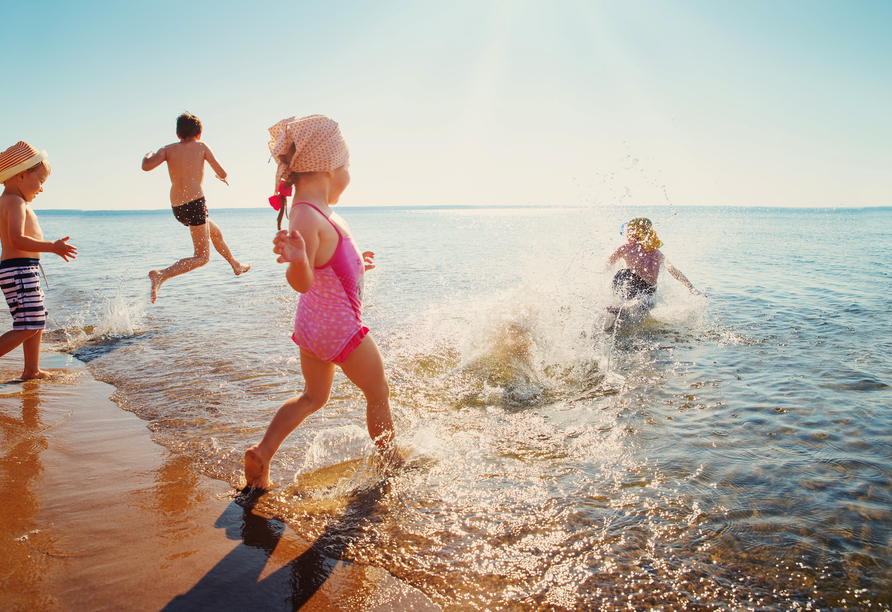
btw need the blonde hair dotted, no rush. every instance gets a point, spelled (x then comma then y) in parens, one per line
(43, 164)
(642, 230)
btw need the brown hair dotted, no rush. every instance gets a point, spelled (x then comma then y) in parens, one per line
(289, 181)
(188, 126)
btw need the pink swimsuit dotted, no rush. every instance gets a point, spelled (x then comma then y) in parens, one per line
(645, 264)
(328, 322)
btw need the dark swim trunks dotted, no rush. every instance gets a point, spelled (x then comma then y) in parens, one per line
(192, 213)
(629, 285)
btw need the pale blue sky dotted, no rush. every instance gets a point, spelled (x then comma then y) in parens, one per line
(539, 102)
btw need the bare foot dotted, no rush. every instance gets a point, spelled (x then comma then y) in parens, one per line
(155, 277)
(241, 268)
(38, 375)
(256, 469)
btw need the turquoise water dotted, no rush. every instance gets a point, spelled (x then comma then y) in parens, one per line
(730, 453)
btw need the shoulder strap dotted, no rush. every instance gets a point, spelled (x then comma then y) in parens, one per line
(314, 207)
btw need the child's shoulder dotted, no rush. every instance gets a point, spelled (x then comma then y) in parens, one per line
(187, 148)
(625, 247)
(8, 200)
(187, 145)
(307, 215)
(307, 210)
(198, 147)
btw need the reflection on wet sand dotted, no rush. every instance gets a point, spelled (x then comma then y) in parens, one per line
(170, 501)
(27, 549)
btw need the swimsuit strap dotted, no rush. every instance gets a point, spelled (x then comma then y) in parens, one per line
(340, 236)
(314, 207)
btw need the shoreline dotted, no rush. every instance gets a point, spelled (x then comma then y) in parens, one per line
(96, 515)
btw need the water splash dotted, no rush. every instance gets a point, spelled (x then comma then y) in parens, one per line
(120, 318)
(336, 445)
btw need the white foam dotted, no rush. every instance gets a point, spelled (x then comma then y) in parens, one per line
(336, 445)
(120, 318)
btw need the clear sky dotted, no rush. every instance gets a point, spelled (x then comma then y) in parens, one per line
(484, 102)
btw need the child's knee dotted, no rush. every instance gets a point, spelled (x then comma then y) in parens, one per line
(315, 399)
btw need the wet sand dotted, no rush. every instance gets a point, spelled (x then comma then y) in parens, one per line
(96, 516)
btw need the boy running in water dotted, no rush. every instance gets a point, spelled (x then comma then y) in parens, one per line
(185, 163)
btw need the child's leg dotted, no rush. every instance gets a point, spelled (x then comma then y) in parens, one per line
(365, 368)
(30, 341)
(31, 348)
(223, 249)
(201, 242)
(13, 338)
(318, 376)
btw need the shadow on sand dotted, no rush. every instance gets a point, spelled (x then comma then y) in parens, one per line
(237, 581)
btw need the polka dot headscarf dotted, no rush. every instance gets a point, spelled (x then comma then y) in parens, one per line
(307, 144)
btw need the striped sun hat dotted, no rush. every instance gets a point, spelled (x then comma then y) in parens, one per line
(17, 158)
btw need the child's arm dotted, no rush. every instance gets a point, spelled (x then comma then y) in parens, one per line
(291, 248)
(22, 242)
(297, 247)
(675, 272)
(210, 159)
(617, 255)
(153, 160)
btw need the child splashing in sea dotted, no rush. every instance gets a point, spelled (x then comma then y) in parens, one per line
(326, 268)
(636, 284)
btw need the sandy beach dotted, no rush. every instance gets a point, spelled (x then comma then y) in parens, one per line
(96, 516)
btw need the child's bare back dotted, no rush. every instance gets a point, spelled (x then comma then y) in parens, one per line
(185, 164)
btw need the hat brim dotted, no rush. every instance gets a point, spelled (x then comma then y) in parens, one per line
(7, 174)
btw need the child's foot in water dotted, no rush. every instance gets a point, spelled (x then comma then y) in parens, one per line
(38, 375)
(240, 269)
(256, 469)
(155, 277)
(390, 458)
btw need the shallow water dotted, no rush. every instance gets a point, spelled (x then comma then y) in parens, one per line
(729, 453)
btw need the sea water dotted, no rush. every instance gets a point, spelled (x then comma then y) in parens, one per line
(731, 452)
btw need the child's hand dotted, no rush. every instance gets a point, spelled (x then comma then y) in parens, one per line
(367, 258)
(289, 246)
(63, 249)
(222, 179)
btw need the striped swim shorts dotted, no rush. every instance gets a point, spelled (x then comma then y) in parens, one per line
(20, 281)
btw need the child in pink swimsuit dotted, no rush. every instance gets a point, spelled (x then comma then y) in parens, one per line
(326, 268)
(636, 284)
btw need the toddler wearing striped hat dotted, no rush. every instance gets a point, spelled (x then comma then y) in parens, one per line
(23, 171)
